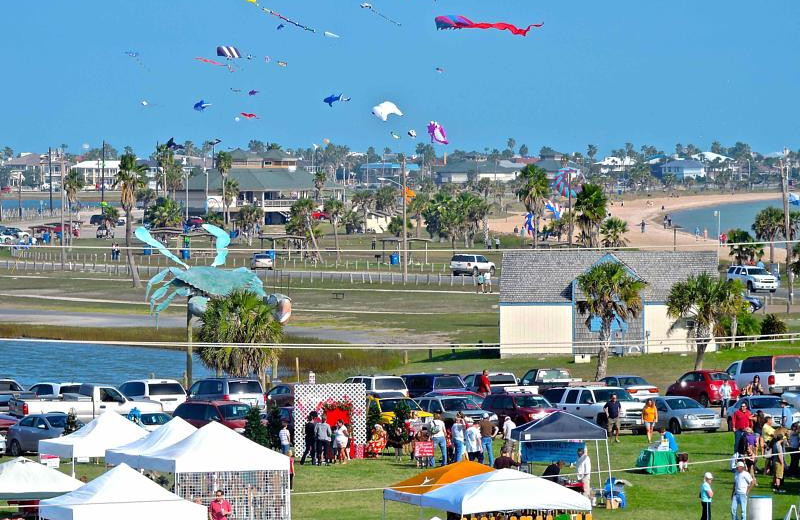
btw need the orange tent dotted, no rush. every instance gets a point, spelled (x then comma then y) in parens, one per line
(409, 490)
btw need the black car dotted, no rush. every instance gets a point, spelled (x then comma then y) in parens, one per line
(420, 384)
(96, 220)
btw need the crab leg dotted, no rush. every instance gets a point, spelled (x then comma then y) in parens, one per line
(158, 278)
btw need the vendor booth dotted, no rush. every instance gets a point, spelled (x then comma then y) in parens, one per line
(410, 491)
(24, 479)
(174, 431)
(255, 478)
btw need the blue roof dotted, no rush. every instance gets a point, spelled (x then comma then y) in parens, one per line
(388, 166)
(684, 163)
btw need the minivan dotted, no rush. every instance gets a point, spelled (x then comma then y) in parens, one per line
(420, 384)
(244, 390)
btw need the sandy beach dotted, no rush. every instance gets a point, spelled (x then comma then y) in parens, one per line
(649, 210)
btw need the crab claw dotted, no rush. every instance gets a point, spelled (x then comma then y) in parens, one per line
(197, 305)
(283, 307)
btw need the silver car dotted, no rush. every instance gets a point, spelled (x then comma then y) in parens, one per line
(450, 405)
(244, 390)
(679, 414)
(769, 404)
(26, 434)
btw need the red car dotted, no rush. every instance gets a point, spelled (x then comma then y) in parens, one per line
(319, 215)
(6, 189)
(232, 414)
(703, 386)
(6, 421)
(522, 407)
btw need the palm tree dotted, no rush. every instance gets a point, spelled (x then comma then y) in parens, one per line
(613, 296)
(145, 196)
(334, 209)
(230, 192)
(591, 203)
(533, 192)
(130, 179)
(706, 300)
(73, 184)
(164, 213)
(768, 226)
(613, 230)
(352, 221)
(416, 207)
(165, 159)
(743, 247)
(319, 182)
(386, 199)
(249, 217)
(591, 152)
(224, 164)
(241, 317)
(301, 214)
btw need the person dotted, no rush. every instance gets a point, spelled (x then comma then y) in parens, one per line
(643, 224)
(552, 471)
(740, 421)
(439, 436)
(743, 483)
(665, 219)
(378, 441)
(479, 284)
(340, 442)
(497, 242)
(504, 461)
(786, 415)
(291, 470)
(484, 385)
(706, 495)
(516, 230)
(472, 440)
(767, 435)
(508, 442)
(374, 243)
(705, 234)
(612, 408)
(754, 387)
(488, 432)
(794, 446)
(322, 435)
(583, 470)
(669, 439)
(760, 263)
(778, 463)
(308, 436)
(219, 508)
(669, 221)
(725, 397)
(649, 418)
(746, 450)
(457, 435)
(697, 232)
(285, 437)
(487, 280)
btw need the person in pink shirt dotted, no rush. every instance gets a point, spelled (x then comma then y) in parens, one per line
(219, 508)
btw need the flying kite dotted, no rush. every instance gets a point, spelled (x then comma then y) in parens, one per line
(267, 59)
(330, 100)
(172, 145)
(279, 15)
(331, 35)
(137, 58)
(394, 135)
(252, 93)
(283, 63)
(439, 70)
(280, 26)
(247, 115)
(210, 62)
(366, 5)
(553, 208)
(229, 52)
(201, 105)
(437, 133)
(460, 22)
(564, 182)
(237, 90)
(385, 109)
(412, 134)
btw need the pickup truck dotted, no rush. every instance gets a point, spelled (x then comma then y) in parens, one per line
(778, 374)
(90, 401)
(588, 402)
(8, 390)
(546, 378)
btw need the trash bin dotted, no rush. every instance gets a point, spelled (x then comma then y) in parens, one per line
(394, 259)
(271, 254)
(184, 254)
(147, 251)
(760, 507)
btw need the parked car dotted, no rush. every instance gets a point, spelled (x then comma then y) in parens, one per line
(703, 386)
(755, 303)
(194, 222)
(386, 407)
(421, 384)
(261, 261)
(281, 394)
(678, 414)
(554, 395)
(546, 378)
(152, 421)
(498, 380)
(6, 421)
(5, 189)
(778, 374)
(754, 278)
(96, 220)
(26, 434)
(286, 413)
(9, 389)
(471, 265)
(450, 405)
(200, 412)
(522, 407)
(168, 392)
(477, 398)
(244, 390)
(769, 404)
(54, 389)
(635, 385)
(380, 385)
(588, 402)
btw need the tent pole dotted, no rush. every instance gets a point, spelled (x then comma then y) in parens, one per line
(73, 467)
(383, 516)
(597, 450)
(608, 457)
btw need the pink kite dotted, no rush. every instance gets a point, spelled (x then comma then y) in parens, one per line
(210, 62)
(248, 115)
(454, 21)
(437, 133)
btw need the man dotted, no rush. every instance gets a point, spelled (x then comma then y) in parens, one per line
(643, 224)
(439, 436)
(778, 463)
(786, 415)
(743, 482)
(504, 461)
(583, 470)
(322, 434)
(484, 386)
(552, 471)
(487, 281)
(741, 420)
(725, 397)
(613, 408)
(509, 443)
(496, 242)
(472, 439)
(488, 433)
(767, 434)
(794, 446)
(308, 436)
(669, 439)
(706, 494)
(219, 508)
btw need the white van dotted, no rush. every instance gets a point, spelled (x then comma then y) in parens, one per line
(778, 374)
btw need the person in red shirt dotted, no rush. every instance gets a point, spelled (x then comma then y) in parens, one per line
(219, 508)
(484, 386)
(740, 421)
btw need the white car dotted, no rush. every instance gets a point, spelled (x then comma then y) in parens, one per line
(754, 278)
(471, 265)
(381, 386)
(589, 401)
(261, 261)
(168, 392)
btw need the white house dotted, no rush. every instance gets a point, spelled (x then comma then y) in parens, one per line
(684, 169)
(96, 171)
(613, 164)
(539, 294)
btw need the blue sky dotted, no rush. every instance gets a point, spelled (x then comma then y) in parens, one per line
(597, 72)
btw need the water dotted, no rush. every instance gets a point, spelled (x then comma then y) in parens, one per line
(10, 203)
(30, 362)
(736, 215)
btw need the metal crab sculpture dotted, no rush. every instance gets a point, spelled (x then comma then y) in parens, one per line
(202, 283)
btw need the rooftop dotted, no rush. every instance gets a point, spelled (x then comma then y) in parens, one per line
(684, 163)
(467, 166)
(258, 179)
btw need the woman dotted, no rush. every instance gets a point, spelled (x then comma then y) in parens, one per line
(340, 442)
(457, 434)
(754, 387)
(649, 418)
(377, 443)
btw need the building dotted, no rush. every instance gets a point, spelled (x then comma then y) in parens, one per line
(684, 169)
(97, 171)
(553, 166)
(613, 164)
(460, 172)
(539, 295)
(371, 173)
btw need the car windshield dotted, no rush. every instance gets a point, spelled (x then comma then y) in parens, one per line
(682, 403)
(389, 383)
(245, 387)
(719, 376)
(604, 394)
(550, 375)
(57, 421)
(389, 405)
(502, 379)
(532, 401)
(234, 411)
(166, 389)
(448, 382)
(154, 419)
(631, 381)
(757, 270)
(455, 404)
(763, 403)
(787, 364)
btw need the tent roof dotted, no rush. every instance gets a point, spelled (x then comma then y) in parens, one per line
(174, 431)
(121, 493)
(559, 426)
(501, 490)
(411, 489)
(24, 479)
(106, 431)
(214, 448)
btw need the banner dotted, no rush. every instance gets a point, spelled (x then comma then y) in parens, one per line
(551, 451)
(423, 449)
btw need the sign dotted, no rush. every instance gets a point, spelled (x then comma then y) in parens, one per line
(312, 378)
(51, 461)
(551, 451)
(423, 449)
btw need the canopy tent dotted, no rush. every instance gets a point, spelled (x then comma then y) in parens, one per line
(24, 479)
(504, 490)
(174, 431)
(121, 493)
(411, 490)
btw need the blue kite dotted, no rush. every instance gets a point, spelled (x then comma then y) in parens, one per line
(201, 105)
(330, 100)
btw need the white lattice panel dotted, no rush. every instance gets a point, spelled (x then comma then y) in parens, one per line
(310, 398)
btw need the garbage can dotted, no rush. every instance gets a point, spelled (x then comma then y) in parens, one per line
(760, 507)
(394, 259)
(147, 251)
(271, 254)
(184, 254)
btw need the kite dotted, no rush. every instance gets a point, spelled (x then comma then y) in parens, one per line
(280, 26)
(553, 208)
(283, 63)
(252, 93)
(247, 115)
(330, 100)
(366, 5)
(394, 135)
(236, 119)
(210, 62)
(136, 57)
(237, 90)
(385, 109)
(528, 225)
(460, 22)
(439, 70)
(412, 134)
(331, 35)
(201, 105)
(267, 59)
(172, 145)
(437, 133)
(326, 141)
(562, 182)
(229, 52)
(279, 15)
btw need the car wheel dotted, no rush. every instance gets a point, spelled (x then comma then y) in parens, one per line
(492, 270)
(704, 400)
(475, 271)
(753, 308)
(749, 286)
(772, 290)
(674, 426)
(712, 430)
(15, 449)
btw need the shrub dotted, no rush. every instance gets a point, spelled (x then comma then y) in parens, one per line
(772, 325)
(255, 429)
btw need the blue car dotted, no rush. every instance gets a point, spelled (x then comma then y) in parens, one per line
(755, 303)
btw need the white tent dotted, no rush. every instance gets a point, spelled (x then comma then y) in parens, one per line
(214, 448)
(24, 479)
(106, 431)
(121, 494)
(503, 490)
(174, 431)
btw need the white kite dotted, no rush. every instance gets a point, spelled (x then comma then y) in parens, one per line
(385, 109)
(412, 134)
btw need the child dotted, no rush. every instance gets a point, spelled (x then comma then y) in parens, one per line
(285, 438)
(291, 470)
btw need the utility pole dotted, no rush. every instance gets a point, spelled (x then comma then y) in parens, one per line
(787, 228)
(405, 222)
(50, 176)
(61, 242)
(103, 173)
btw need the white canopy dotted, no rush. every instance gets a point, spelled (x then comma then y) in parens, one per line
(107, 431)
(174, 431)
(121, 494)
(24, 479)
(212, 448)
(505, 489)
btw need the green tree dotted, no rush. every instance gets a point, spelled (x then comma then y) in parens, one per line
(230, 192)
(248, 218)
(768, 226)
(363, 200)
(131, 178)
(300, 217)
(73, 184)
(511, 143)
(224, 162)
(416, 207)
(395, 226)
(256, 146)
(386, 199)
(145, 196)
(373, 416)
(591, 153)
(743, 247)
(612, 295)
(109, 215)
(353, 222)
(319, 182)
(402, 413)
(590, 206)
(274, 425)
(523, 150)
(164, 213)
(772, 325)
(334, 209)
(613, 231)
(254, 429)
(534, 190)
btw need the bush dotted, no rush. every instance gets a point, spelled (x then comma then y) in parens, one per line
(772, 325)
(274, 425)
(373, 417)
(747, 325)
(255, 429)
(402, 413)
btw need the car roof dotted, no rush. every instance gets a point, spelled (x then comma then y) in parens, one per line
(154, 381)
(212, 401)
(432, 374)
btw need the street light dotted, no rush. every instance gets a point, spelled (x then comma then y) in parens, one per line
(718, 213)
(214, 143)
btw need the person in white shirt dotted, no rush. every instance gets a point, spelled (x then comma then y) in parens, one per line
(457, 436)
(340, 441)
(487, 280)
(439, 436)
(583, 469)
(509, 444)
(285, 438)
(725, 397)
(472, 439)
(743, 482)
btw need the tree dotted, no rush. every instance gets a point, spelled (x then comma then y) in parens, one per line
(230, 192)
(523, 150)
(334, 209)
(386, 199)
(373, 415)
(591, 205)
(705, 300)
(109, 217)
(612, 295)
(254, 429)
(352, 221)
(224, 162)
(165, 159)
(534, 190)
(363, 200)
(743, 247)
(591, 152)
(319, 182)
(256, 146)
(772, 325)
(145, 196)
(613, 231)
(300, 217)
(510, 144)
(768, 226)
(416, 207)
(395, 226)
(248, 218)
(73, 184)
(131, 177)
(164, 213)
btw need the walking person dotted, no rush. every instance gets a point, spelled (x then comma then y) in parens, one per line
(643, 224)
(310, 440)
(457, 435)
(487, 282)
(583, 470)
(479, 284)
(665, 219)
(649, 418)
(322, 435)
(488, 433)
(472, 441)
(725, 397)
(285, 437)
(706, 495)
(612, 408)
(778, 463)
(220, 508)
(439, 436)
(743, 483)
(767, 436)
(509, 444)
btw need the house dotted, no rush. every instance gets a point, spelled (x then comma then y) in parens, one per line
(683, 169)
(460, 172)
(613, 164)
(553, 167)
(97, 171)
(28, 167)
(539, 295)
